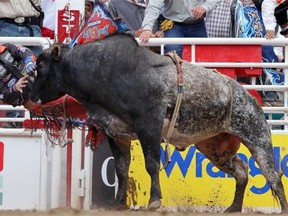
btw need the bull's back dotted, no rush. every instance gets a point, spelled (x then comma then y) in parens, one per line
(206, 103)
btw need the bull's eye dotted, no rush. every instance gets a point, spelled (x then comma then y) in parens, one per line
(40, 65)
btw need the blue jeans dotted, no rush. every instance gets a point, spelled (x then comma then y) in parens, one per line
(184, 30)
(12, 30)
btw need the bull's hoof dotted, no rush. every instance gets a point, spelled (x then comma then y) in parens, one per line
(153, 205)
(121, 207)
(233, 209)
(118, 206)
(284, 210)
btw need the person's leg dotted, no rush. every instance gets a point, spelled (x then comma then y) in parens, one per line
(175, 31)
(8, 29)
(36, 33)
(31, 31)
(11, 30)
(196, 30)
(184, 30)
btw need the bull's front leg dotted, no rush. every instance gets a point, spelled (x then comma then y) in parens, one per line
(148, 129)
(151, 150)
(122, 157)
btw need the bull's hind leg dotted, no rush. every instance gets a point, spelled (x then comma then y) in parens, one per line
(221, 151)
(248, 122)
(262, 151)
(258, 140)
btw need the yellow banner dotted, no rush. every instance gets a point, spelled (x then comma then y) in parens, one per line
(192, 180)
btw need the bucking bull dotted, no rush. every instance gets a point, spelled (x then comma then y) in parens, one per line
(130, 92)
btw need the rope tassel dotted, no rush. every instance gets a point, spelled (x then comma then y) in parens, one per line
(167, 154)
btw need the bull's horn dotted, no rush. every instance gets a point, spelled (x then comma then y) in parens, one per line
(56, 51)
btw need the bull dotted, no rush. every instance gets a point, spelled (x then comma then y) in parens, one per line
(131, 92)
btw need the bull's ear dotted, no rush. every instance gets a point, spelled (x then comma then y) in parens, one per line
(56, 52)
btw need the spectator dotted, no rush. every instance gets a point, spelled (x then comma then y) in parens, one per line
(182, 19)
(269, 20)
(48, 28)
(15, 60)
(88, 9)
(281, 16)
(219, 21)
(248, 24)
(132, 13)
(21, 19)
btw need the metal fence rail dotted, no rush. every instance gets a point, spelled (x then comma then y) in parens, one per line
(277, 42)
(45, 43)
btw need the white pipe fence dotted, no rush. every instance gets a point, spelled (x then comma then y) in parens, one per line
(277, 42)
(28, 41)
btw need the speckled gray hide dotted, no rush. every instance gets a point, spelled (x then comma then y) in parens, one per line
(130, 92)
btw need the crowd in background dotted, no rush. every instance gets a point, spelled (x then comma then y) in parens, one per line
(162, 18)
(210, 18)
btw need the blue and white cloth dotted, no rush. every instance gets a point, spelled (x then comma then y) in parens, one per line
(249, 24)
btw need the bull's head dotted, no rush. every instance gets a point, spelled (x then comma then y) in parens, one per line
(48, 83)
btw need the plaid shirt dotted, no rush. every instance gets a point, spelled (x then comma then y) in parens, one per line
(218, 21)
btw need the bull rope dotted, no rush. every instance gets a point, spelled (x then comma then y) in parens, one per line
(178, 61)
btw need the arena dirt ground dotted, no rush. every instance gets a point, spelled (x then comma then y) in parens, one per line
(73, 212)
